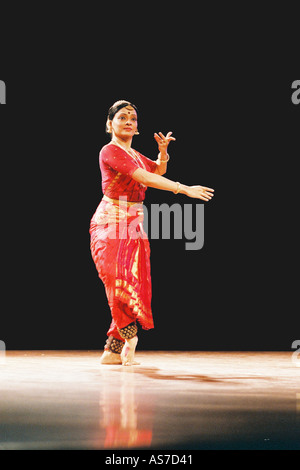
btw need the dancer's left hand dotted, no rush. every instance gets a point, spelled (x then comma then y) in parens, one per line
(163, 141)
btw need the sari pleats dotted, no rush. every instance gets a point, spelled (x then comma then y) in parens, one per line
(121, 253)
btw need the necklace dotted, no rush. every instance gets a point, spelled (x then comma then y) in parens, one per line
(132, 154)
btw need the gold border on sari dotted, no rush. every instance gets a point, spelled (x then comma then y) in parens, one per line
(126, 293)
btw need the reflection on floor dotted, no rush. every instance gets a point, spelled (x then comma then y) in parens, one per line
(172, 400)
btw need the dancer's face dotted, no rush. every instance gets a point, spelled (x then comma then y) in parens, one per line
(124, 123)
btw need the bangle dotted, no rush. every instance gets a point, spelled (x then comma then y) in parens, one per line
(178, 188)
(164, 161)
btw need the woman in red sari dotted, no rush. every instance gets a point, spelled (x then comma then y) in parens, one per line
(119, 245)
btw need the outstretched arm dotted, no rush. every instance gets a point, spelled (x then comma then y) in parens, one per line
(154, 180)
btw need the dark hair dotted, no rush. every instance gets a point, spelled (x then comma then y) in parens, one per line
(116, 107)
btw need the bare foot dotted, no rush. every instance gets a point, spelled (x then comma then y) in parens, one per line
(109, 357)
(127, 354)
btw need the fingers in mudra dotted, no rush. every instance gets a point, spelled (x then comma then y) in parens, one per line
(163, 140)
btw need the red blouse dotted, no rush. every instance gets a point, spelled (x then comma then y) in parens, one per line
(117, 167)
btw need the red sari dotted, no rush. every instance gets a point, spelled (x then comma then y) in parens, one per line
(119, 244)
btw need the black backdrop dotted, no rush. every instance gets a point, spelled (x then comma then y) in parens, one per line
(227, 100)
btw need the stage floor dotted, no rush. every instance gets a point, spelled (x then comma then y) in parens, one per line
(172, 400)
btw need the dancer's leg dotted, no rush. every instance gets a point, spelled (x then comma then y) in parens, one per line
(112, 351)
(129, 334)
(121, 339)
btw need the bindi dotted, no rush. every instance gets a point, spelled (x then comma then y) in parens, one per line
(129, 109)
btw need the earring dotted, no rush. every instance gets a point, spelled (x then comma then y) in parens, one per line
(137, 133)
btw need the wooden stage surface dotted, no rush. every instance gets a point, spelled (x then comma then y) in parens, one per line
(172, 400)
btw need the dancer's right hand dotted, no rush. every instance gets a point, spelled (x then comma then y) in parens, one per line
(199, 192)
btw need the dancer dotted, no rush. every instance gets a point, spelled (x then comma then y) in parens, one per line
(119, 244)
